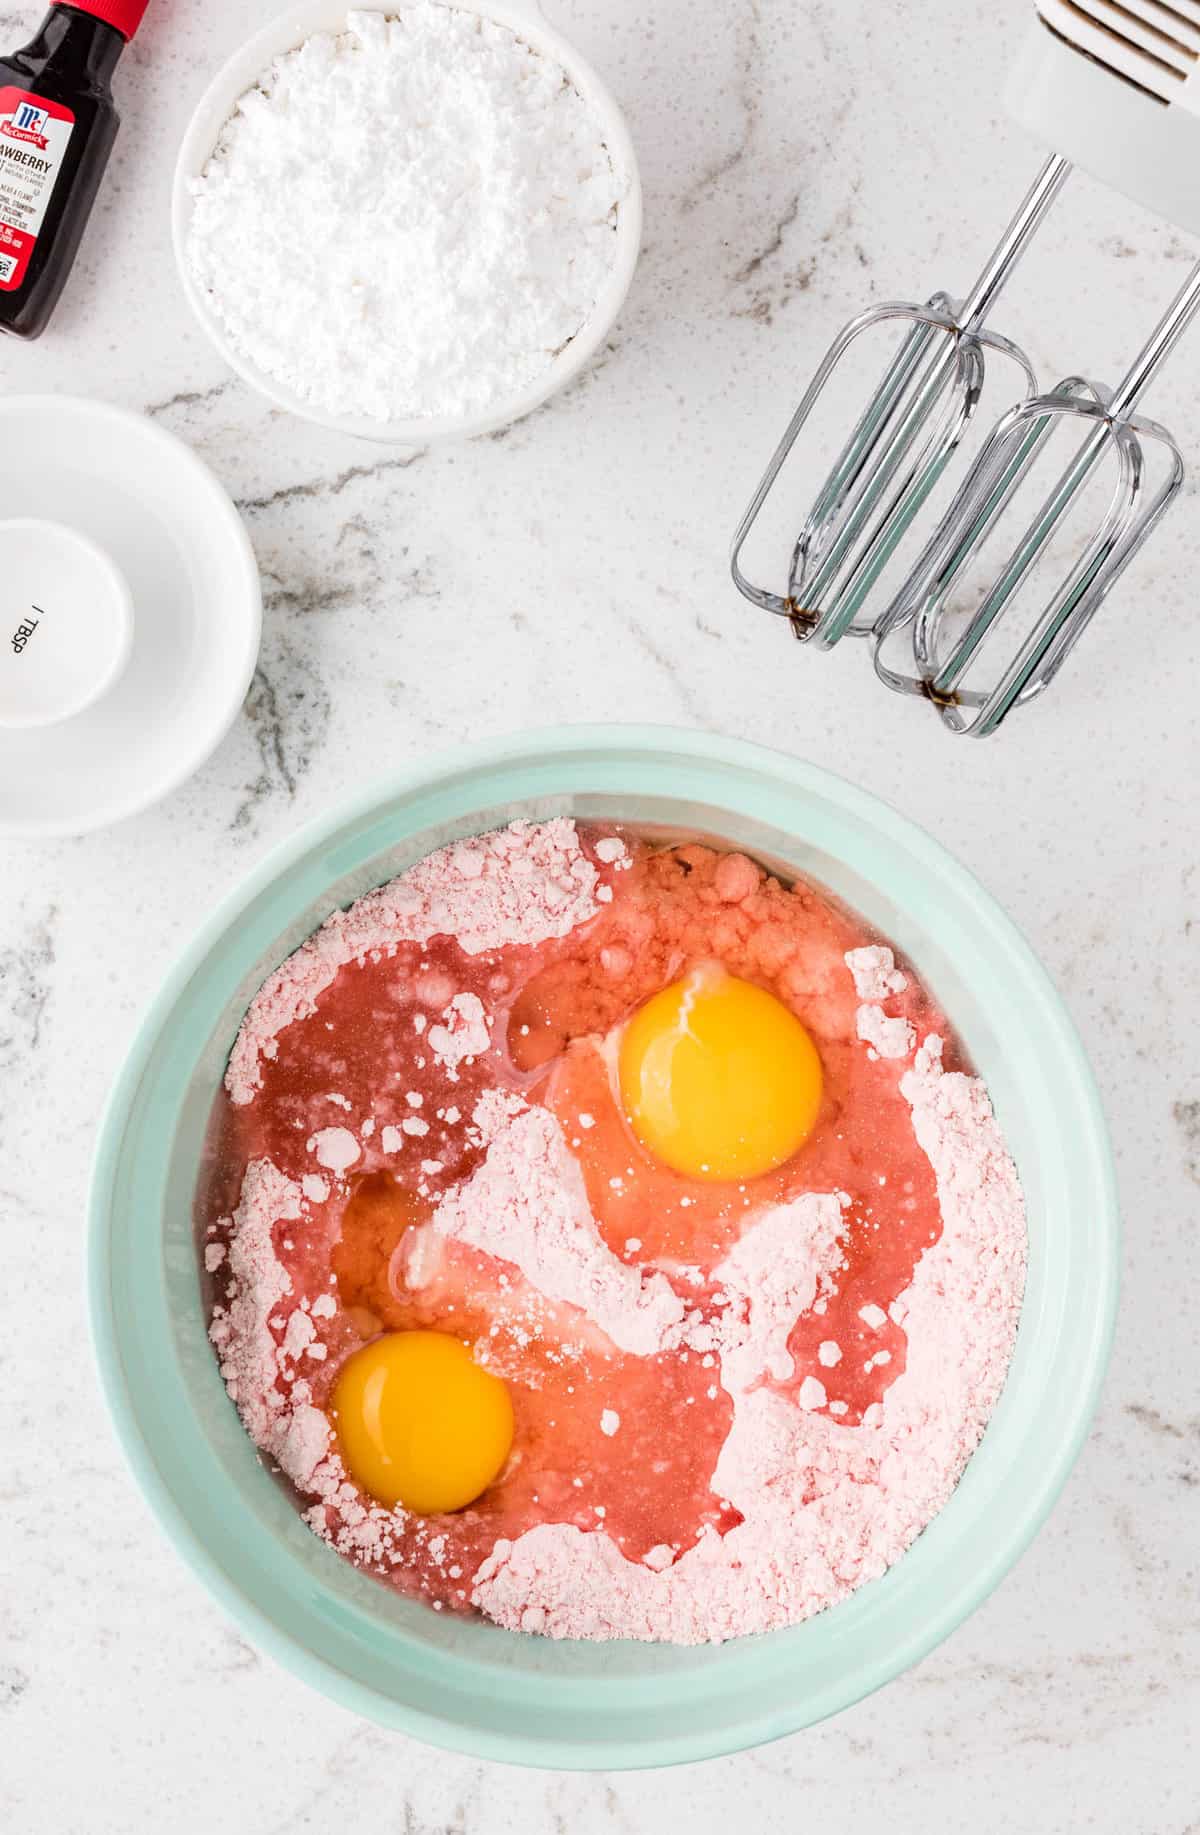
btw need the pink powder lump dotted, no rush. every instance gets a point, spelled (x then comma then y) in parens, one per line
(734, 1404)
(520, 885)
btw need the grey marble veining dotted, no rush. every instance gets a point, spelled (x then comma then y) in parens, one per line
(800, 158)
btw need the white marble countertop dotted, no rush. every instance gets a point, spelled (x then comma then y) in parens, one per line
(798, 159)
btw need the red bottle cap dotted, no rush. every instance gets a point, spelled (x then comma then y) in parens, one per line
(124, 15)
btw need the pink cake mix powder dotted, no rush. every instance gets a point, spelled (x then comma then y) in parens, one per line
(734, 1403)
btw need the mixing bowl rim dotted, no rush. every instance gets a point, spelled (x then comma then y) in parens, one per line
(700, 749)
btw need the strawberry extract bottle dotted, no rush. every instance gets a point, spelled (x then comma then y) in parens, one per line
(58, 123)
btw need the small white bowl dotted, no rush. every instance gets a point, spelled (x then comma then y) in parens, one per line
(243, 72)
(144, 570)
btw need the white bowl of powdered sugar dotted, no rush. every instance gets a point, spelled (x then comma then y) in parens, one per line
(411, 224)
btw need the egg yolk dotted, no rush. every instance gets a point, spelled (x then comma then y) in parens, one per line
(719, 1080)
(419, 1422)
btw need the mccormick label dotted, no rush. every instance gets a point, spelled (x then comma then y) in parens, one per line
(34, 135)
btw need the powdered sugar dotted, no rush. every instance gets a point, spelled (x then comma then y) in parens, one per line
(409, 219)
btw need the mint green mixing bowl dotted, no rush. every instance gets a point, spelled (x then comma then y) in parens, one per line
(470, 1685)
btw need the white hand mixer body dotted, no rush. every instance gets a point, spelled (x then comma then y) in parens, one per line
(1115, 85)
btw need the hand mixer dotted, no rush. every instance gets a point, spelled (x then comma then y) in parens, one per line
(1116, 83)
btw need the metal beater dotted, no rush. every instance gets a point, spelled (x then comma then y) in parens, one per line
(1127, 102)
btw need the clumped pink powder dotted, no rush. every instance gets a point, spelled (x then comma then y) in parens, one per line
(521, 884)
(825, 1507)
(257, 1283)
(875, 973)
(817, 1507)
(527, 1204)
(783, 1260)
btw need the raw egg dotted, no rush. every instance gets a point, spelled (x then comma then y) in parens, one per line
(718, 1078)
(420, 1423)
